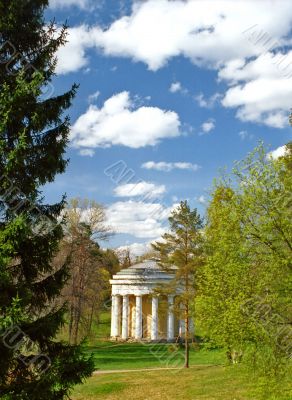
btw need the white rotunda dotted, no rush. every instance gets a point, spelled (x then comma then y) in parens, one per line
(137, 312)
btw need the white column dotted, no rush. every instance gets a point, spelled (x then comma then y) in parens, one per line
(115, 316)
(119, 312)
(182, 327)
(138, 328)
(154, 321)
(125, 317)
(191, 327)
(170, 319)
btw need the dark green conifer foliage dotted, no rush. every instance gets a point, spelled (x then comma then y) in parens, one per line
(33, 138)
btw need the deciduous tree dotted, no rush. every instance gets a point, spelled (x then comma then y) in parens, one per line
(88, 264)
(245, 286)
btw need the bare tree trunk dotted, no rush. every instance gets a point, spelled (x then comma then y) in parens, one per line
(77, 313)
(90, 319)
(71, 322)
(187, 350)
(76, 325)
(72, 307)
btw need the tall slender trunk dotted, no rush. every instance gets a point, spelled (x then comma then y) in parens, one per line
(80, 296)
(187, 350)
(76, 323)
(72, 308)
(78, 311)
(71, 322)
(90, 318)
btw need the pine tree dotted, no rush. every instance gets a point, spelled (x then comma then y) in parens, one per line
(181, 252)
(34, 135)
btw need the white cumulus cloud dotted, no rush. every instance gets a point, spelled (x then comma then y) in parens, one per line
(279, 152)
(72, 56)
(234, 38)
(205, 31)
(144, 189)
(207, 126)
(207, 102)
(169, 166)
(138, 218)
(175, 87)
(84, 5)
(245, 135)
(92, 97)
(86, 152)
(260, 88)
(201, 199)
(118, 122)
(136, 249)
(212, 37)
(68, 3)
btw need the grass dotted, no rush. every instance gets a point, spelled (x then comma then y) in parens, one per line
(204, 382)
(114, 356)
(102, 329)
(207, 379)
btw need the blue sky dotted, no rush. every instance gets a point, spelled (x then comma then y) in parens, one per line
(170, 92)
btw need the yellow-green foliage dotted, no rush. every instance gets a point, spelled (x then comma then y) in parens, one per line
(244, 302)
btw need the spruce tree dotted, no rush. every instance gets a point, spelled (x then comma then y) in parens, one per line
(34, 134)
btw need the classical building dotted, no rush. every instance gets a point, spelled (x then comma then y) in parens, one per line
(137, 313)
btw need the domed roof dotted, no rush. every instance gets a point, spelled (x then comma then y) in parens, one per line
(141, 268)
(141, 278)
(149, 264)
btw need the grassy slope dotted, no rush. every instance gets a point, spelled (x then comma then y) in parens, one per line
(209, 379)
(138, 355)
(99, 332)
(198, 383)
(111, 355)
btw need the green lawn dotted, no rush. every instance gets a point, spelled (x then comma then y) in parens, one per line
(208, 383)
(102, 329)
(109, 355)
(207, 379)
(115, 355)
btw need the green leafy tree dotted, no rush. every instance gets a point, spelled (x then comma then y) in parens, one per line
(244, 302)
(181, 253)
(33, 138)
(228, 278)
